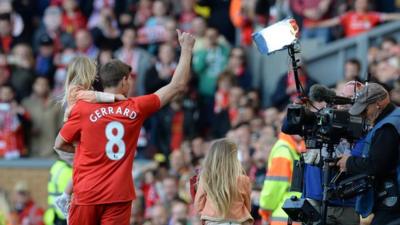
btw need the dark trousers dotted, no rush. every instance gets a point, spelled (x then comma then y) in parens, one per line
(385, 217)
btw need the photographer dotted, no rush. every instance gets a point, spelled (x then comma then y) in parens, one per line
(340, 212)
(380, 154)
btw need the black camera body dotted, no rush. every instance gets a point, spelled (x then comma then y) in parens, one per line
(328, 125)
(300, 210)
(353, 186)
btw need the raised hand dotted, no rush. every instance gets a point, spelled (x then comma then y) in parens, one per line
(186, 40)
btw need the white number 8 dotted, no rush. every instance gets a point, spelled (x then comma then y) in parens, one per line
(115, 140)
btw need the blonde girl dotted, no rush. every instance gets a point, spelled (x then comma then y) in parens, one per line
(223, 193)
(78, 86)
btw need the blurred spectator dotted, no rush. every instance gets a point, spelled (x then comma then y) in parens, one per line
(270, 116)
(235, 94)
(160, 12)
(97, 6)
(159, 215)
(199, 26)
(105, 56)
(51, 26)
(198, 149)
(243, 15)
(62, 60)
(286, 91)
(238, 66)
(46, 118)
(161, 73)
(27, 212)
(219, 18)
(44, 60)
(187, 15)
(257, 176)
(4, 74)
(314, 12)
(173, 124)
(169, 191)
(155, 30)
(6, 37)
(106, 33)
(22, 65)
(244, 144)
(352, 70)
(12, 119)
(84, 44)
(358, 21)
(222, 121)
(207, 64)
(278, 11)
(179, 213)
(137, 216)
(18, 26)
(72, 17)
(171, 25)
(395, 93)
(143, 12)
(137, 58)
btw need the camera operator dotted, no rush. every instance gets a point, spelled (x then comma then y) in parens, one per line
(380, 154)
(340, 212)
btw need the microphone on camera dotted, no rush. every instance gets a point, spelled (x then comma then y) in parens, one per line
(321, 93)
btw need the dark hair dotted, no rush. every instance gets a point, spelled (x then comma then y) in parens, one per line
(50, 82)
(5, 16)
(227, 75)
(130, 27)
(355, 62)
(390, 39)
(113, 72)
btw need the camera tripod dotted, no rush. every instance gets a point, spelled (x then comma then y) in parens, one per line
(326, 173)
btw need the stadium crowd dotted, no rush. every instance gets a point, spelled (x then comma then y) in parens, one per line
(38, 39)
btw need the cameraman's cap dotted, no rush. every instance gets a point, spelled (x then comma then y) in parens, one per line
(371, 93)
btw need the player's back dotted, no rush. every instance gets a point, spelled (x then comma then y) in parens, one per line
(108, 136)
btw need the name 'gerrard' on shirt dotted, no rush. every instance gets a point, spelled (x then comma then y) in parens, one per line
(104, 111)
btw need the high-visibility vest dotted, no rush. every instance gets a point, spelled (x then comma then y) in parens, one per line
(60, 175)
(278, 180)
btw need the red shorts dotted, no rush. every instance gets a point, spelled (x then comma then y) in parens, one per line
(104, 214)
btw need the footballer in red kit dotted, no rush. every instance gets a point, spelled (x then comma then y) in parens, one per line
(106, 136)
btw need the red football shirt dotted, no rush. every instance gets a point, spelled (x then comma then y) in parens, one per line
(107, 135)
(356, 23)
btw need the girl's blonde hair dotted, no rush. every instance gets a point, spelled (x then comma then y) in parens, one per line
(221, 169)
(81, 72)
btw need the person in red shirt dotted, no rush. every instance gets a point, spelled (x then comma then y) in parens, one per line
(360, 20)
(106, 137)
(72, 18)
(26, 211)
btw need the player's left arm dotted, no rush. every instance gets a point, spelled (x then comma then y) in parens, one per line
(70, 132)
(62, 145)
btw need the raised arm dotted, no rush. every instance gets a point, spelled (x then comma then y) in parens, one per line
(181, 75)
(328, 23)
(390, 16)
